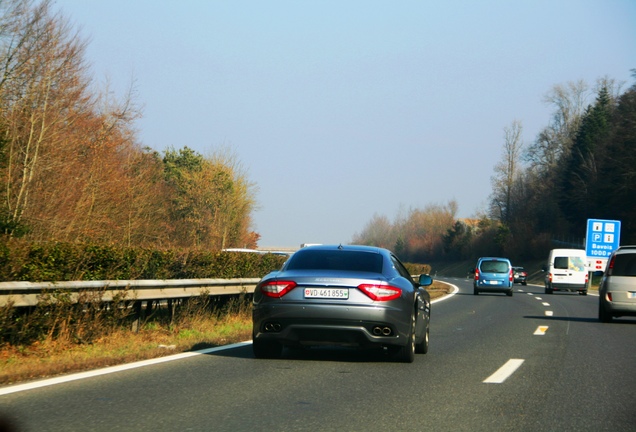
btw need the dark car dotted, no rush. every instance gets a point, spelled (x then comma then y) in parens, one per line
(355, 296)
(617, 290)
(520, 275)
(493, 274)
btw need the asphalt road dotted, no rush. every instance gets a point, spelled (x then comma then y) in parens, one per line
(530, 362)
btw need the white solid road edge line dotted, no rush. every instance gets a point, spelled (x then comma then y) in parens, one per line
(504, 372)
(59, 380)
(447, 296)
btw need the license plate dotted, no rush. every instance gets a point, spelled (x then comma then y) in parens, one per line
(326, 293)
(494, 282)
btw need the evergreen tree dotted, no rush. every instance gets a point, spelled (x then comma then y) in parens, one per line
(580, 171)
(616, 194)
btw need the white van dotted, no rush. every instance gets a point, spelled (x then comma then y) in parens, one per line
(566, 270)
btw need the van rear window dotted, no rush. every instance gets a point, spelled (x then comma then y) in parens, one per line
(494, 267)
(570, 263)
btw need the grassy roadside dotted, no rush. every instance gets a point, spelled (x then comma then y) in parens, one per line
(51, 358)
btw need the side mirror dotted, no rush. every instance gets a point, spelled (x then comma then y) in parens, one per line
(425, 280)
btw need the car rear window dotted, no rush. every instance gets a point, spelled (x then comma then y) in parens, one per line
(494, 267)
(624, 265)
(336, 260)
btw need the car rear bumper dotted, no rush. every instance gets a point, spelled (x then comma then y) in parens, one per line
(485, 287)
(568, 286)
(620, 305)
(356, 325)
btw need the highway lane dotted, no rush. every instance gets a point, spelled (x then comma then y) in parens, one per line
(578, 375)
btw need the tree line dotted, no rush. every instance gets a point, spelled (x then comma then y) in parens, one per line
(71, 168)
(580, 166)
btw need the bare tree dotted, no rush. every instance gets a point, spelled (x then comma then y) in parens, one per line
(377, 232)
(555, 140)
(42, 92)
(507, 172)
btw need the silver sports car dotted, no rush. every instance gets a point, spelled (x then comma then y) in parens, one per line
(357, 296)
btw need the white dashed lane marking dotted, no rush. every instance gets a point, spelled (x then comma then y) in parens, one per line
(504, 372)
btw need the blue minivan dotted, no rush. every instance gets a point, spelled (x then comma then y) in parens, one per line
(493, 274)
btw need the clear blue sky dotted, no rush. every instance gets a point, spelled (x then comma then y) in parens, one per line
(339, 110)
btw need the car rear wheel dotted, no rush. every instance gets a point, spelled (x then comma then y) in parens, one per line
(266, 349)
(603, 315)
(422, 347)
(509, 293)
(475, 291)
(548, 290)
(406, 353)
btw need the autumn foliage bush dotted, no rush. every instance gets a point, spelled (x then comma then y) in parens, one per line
(58, 261)
(59, 318)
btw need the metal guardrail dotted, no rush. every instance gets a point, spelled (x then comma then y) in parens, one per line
(20, 294)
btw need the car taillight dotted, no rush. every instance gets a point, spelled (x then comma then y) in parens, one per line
(476, 274)
(277, 288)
(610, 265)
(524, 274)
(380, 292)
(511, 276)
(587, 278)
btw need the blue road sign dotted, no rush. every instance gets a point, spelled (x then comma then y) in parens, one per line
(603, 237)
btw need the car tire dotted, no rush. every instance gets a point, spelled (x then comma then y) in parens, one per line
(422, 347)
(584, 292)
(266, 349)
(548, 290)
(406, 353)
(509, 293)
(603, 315)
(524, 283)
(475, 291)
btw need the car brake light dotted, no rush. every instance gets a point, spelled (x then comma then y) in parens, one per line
(587, 278)
(476, 274)
(511, 276)
(610, 265)
(380, 292)
(277, 288)
(550, 277)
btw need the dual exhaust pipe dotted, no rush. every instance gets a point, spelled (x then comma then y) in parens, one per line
(382, 331)
(272, 327)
